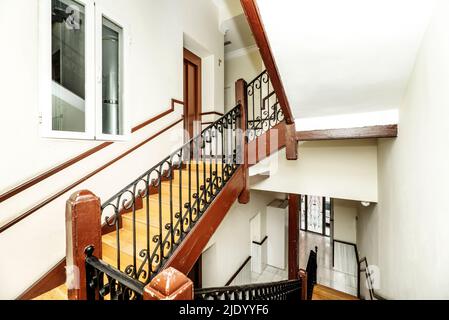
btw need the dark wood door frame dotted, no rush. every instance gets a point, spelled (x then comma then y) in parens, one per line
(192, 60)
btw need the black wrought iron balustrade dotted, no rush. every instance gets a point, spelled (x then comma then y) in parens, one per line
(164, 203)
(105, 282)
(283, 290)
(264, 111)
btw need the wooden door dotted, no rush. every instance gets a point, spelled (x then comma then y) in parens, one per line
(192, 94)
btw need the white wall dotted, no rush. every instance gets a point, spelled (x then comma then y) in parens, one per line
(231, 243)
(246, 66)
(156, 73)
(203, 37)
(406, 234)
(345, 223)
(337, 169)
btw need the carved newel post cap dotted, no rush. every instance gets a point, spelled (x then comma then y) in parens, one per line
(170, 284)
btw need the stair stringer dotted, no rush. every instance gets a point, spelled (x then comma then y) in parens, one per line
(191, 248)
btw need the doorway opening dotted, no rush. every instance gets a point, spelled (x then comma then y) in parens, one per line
(192, 95)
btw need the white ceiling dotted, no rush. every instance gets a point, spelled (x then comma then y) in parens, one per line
(345, 56)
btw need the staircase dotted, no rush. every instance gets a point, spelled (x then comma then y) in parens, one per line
(128, 253)
(165, 217)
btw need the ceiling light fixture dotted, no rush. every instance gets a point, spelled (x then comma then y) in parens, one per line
(366, 203)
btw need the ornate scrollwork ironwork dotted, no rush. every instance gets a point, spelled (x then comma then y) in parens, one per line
(172, 196)
(264, 111)
(284, 290)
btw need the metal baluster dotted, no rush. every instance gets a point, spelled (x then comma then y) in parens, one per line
(216, 156)
(147, 212)
(190, 188)
(161, 251)
(211, 182)
(198, 198)
(254, 106)
(134, 231)
(181, 224)
(171, 176)
(203, 164)
(117, 229)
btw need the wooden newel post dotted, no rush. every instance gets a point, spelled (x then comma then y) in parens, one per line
(242, 98)
(170, 284)
(83, 229)
(302, 275)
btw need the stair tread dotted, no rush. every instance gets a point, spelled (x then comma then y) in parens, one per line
(321, 292)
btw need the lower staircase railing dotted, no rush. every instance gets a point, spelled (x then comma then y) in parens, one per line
(282, 290)
(104, 282)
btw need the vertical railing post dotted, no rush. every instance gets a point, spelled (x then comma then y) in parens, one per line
(293, 236)
(241, 98)
(291, 144)
(303, 278)
(170, 284)
(83, 229)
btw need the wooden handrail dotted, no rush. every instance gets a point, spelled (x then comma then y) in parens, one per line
(86, 177)
(47, 174)
(238, 271)
(255, 22)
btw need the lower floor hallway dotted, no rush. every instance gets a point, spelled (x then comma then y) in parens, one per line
(342, 276)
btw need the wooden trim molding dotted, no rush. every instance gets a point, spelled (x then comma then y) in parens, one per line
(52, 279)
(47, 174)
(255, 22)
(86, 177)
(383, 131)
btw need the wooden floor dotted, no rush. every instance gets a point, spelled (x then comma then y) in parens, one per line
(324, 293)
(158, 207)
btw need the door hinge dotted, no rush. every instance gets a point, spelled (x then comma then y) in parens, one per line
(40, 117)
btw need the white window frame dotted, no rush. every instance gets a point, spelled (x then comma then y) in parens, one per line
(124, 40)
(93, 75)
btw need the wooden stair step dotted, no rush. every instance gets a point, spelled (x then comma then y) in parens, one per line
(325, 293)
(59, 293)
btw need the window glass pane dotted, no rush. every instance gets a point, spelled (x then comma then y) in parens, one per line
(315, 214)
(68, 66)
(303, 213)
(111, 113)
